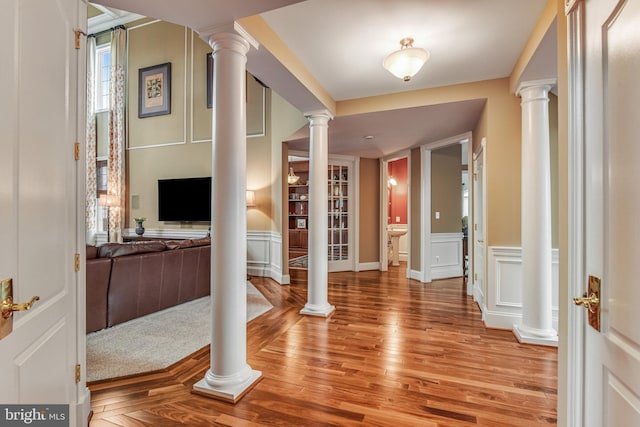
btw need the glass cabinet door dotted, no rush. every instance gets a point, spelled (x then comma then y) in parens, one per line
(340, 212)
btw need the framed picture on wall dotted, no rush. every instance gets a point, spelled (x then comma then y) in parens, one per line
(210, 80)
(154, 90)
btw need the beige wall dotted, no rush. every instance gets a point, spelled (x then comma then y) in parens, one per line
(264, 163)
(415, 211)
(179, 145)
(155, 44)
(500, 124)
(369, 218)
(446, 189)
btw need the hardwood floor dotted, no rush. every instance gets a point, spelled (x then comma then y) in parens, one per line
(395, 353)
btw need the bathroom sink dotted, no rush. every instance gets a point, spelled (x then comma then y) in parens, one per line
(396, 233)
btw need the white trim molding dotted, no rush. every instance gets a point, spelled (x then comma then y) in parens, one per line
(503, 306)
(367, 266)
(166, 233)
(446, 255)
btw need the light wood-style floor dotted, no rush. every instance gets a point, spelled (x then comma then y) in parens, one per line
(395, 353)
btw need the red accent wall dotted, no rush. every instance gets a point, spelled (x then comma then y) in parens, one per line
(398, 194)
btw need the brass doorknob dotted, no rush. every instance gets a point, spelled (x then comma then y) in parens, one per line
(589, 302)
(7, 307)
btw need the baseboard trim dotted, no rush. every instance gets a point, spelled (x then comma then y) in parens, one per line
(416, 275)
(368, 266)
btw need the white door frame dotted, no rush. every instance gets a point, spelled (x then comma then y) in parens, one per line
(480, 153)
(425, 200)
(573, 338)
(353, 165)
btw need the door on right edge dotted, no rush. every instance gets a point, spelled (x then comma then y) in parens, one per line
(612, 204)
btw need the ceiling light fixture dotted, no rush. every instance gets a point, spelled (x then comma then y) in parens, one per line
(407, 61)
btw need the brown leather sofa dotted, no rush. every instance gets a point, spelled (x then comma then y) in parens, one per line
(129, 280)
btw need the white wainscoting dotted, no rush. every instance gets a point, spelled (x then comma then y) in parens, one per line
(264, 255)
(446, 255)
(503, 306)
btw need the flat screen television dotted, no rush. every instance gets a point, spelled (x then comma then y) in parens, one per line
(184, 199)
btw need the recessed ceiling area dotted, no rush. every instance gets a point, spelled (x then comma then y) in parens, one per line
(395, 130)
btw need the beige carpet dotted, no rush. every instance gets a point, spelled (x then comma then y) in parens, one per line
(159, 339)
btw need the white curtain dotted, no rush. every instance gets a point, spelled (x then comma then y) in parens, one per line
(117, 91)
(91, 181)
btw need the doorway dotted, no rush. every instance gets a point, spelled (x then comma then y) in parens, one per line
(441, 220)
(394, 211)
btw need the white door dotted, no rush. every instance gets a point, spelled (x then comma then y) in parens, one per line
(478, 228)
(612, 202)
(38, 200)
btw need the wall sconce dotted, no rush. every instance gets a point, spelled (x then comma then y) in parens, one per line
(108, 201)
(392, 181)
(251, 199)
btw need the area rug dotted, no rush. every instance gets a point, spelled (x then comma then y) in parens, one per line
(159, 339)
(299, 262)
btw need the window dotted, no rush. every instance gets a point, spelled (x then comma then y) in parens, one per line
(103, 63)
(101, 96)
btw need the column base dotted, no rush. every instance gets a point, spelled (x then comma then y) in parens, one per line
(228, 393)
(527, 335)
(317, 310)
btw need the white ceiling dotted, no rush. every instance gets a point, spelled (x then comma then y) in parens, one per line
(342, 43)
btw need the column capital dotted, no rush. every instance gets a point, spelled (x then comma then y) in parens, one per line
(318, 114)
(228, 32)
(546, 84)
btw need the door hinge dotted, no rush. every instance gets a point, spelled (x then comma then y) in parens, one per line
(76, 151)
(78, 34)
(475, 227)
(76, 262)
(475, 176)
(475, 277)
(77, 373)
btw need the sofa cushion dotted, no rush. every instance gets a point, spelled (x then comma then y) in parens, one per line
(113, 250)
(187, 243)
(92, 252)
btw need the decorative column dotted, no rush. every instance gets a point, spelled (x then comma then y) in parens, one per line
(536, 326)
(318, 264)
(229, 376)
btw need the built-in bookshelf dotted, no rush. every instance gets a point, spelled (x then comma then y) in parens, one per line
(298, 205)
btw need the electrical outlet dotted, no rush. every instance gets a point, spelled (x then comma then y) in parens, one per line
(397, 219)
(437, 215)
